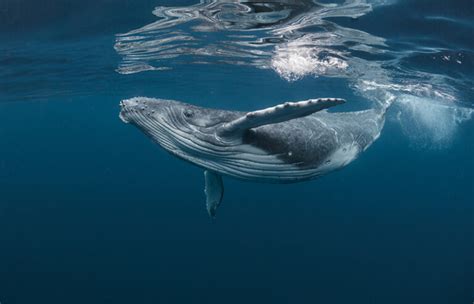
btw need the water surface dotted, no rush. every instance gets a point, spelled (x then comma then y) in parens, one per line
(93, 212)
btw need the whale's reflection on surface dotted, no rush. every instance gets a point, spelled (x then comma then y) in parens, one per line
(248, 32)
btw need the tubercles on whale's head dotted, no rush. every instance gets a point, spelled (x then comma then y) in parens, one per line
(145, 112)
(182, 115)
(133, 109)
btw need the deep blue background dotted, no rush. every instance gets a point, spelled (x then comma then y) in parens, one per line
(93, 212)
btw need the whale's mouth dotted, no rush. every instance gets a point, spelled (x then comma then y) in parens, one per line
(143, 113)
(124, 110)
(123, 115)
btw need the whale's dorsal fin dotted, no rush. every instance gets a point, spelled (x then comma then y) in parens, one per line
(276, 114)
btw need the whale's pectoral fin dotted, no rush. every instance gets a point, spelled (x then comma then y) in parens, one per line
(214, 190)
(276, 114)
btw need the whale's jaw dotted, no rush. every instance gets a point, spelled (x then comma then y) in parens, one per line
(150, 116)
(122, 115)
(131, 109)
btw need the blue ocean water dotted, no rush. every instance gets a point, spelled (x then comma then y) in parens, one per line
(91, 211)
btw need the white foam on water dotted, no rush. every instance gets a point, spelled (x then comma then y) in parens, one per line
(293, 61)
(430, 123)
(429, 115)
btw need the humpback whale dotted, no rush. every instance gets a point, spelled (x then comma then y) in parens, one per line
(290, 142)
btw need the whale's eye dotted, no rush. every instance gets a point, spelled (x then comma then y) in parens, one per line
(188, 113)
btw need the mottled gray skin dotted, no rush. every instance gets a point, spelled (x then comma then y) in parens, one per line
(291, 151)
(310, 141)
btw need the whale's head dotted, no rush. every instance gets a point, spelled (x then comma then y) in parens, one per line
(183, 129)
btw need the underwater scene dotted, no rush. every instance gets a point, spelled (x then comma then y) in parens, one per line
(237, 151)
